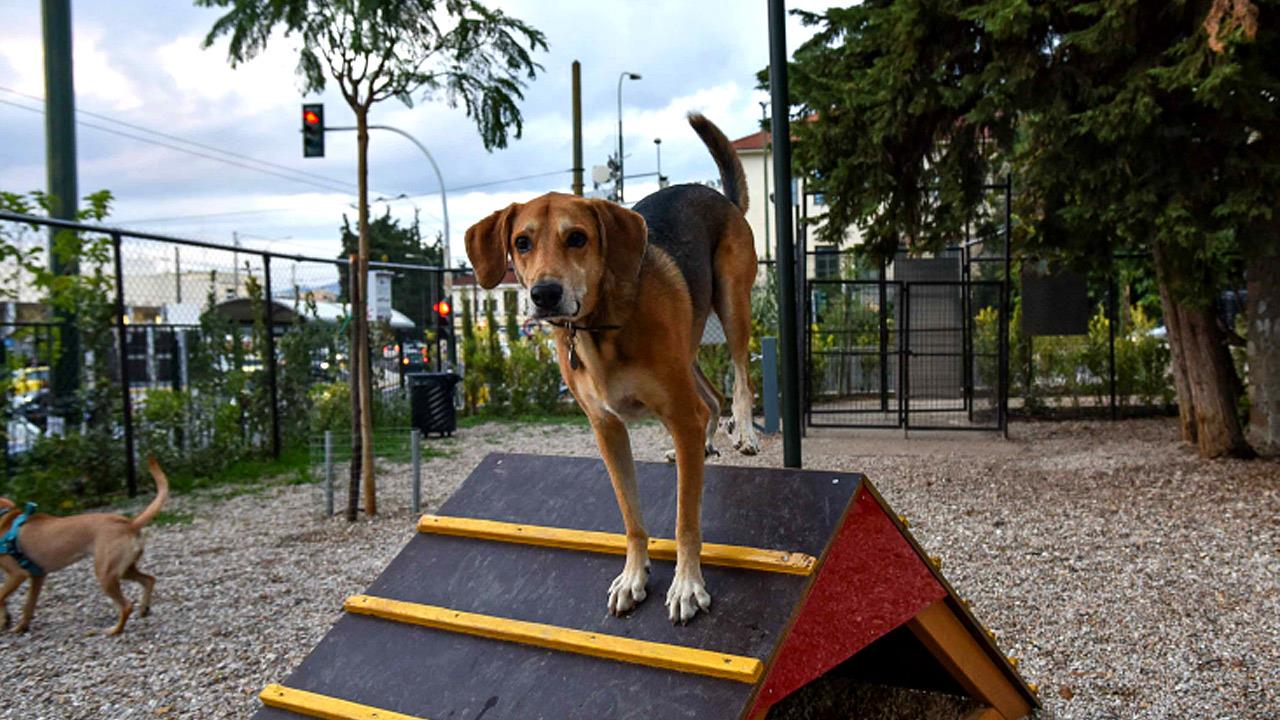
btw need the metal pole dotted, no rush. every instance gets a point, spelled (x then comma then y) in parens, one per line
(270, 312)
(177, 275)
(786, 252)
(764, 166)
(415, 450)
(884, 340)
(769, 364)
(328, 473)
(620, 163)
(621, 174)
(60, 162)
(1006, 300)
(577, 128)
(126, 406)
(1111, 340)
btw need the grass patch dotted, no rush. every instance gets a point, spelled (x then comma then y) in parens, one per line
(567, 417)
(293, 466)
(173, 517)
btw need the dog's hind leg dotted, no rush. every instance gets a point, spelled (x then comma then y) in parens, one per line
(148, 583)
(628, 589)
(735, 270)
(12, 581)
(714, 401)
(111, 586)
(29, 609)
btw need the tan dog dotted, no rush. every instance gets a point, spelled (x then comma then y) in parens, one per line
(630, 292)
(53, 543)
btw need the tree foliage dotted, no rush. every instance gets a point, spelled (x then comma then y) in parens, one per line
(1124, 129)
(389, 241)
(1146, 125)
(460, 51)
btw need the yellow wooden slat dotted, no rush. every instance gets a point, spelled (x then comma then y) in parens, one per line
(738, 556)
(640, 652)
(324, 707)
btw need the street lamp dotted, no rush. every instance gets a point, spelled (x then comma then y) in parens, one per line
(657, 143)
(621, 77)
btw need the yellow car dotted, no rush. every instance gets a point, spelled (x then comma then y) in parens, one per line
(30, 379)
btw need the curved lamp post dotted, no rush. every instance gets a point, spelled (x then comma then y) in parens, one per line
(621, 77)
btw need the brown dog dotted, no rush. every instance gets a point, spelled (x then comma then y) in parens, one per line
(630, 293)
(52, 543)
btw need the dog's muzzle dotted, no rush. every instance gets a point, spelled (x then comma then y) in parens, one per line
(549, 300)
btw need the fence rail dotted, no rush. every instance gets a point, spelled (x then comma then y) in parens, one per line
(189, 345)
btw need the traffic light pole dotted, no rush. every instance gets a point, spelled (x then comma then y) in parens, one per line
(444, 196)
(60, 160)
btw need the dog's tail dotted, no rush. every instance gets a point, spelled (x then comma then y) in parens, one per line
(732, 177)
(162, 494)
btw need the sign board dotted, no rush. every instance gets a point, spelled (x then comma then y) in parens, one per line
(379, 295)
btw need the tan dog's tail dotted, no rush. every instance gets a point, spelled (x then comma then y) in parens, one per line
(732, 177)
(162, 494)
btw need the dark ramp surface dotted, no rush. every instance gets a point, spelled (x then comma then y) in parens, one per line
(437, 674)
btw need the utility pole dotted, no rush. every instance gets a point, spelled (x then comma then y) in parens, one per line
(786, 265)
(60, 163)
(577, 128)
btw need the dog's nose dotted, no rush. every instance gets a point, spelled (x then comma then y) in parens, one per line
(546, 295)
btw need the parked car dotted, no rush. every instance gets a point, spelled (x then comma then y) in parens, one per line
(29, 379)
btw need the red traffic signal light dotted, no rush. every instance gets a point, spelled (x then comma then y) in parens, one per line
(443, 308)
(313, 130)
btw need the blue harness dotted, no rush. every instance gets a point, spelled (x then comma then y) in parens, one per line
(9, 543)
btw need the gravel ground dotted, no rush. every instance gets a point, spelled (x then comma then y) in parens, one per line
(1131, 578)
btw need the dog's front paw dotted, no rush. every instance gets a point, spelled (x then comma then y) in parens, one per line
(627, 590)
(686, 597)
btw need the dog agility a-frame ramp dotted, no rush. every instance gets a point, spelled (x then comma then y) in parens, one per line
(496, 609)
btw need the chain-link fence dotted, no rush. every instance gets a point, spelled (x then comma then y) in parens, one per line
(195, 353)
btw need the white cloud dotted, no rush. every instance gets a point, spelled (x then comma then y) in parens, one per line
(96, 75)
(205, 79)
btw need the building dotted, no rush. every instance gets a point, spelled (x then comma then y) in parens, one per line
(755, 151)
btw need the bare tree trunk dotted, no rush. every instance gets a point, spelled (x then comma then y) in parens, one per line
(353, 381)
(1204, 376)
(362, 315)
(1263, 318)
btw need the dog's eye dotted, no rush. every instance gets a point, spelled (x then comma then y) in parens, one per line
(577, 239)
(523, 244)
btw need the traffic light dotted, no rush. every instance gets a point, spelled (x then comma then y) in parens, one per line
(313, 130)
(444, 314)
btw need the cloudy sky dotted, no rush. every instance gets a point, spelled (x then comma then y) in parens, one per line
(140, 62)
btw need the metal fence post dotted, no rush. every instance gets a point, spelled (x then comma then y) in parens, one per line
(269, 311)
(415, 451)
(328, 473)
(126, 408)
(1113, 311)
(769, 366)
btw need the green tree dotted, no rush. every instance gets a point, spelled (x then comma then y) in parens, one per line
(1126, 129)
(459, 50)
(411, 293)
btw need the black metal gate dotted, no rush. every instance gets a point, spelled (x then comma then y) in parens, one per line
(923, 345)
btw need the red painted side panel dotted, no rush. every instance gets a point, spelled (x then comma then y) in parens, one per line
(871, 582)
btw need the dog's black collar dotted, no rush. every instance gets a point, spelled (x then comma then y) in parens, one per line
(573, 328)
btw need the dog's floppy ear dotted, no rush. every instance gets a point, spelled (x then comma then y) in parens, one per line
(624, 234)
(487, 246)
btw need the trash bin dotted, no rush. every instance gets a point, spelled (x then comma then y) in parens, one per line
(431, 402)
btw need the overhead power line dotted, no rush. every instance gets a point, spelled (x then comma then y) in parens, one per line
(194, 143)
